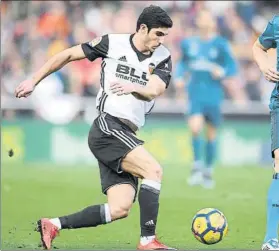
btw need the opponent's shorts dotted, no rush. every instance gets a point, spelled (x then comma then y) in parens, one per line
(110, 140)
(274, 130)
(211, 112)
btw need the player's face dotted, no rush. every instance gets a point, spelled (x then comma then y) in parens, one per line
(154, 38)
(206, 21)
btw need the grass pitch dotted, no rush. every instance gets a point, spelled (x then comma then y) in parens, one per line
(34, 191)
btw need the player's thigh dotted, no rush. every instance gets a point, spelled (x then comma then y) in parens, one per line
(195, 118)
(275, 137)
(274, 131)
(140, 163)
(213, 117)
(110, 141)
(110, 180)
(120, 199)
(196, 123)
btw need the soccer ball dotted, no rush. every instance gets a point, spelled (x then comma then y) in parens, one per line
(209, 226)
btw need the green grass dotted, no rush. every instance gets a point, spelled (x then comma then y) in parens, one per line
(34, 191)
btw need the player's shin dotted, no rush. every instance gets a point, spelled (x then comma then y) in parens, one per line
(210, 154)
(273, 209)
(196, 144)
(91, 216)
(149, 207)
(196, 171)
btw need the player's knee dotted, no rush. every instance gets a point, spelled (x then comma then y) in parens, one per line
(195, 131)
(119, 211)
(155, 173)
(195, 127)
(211, 136)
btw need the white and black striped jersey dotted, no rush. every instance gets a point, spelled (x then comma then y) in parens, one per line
(121, 61)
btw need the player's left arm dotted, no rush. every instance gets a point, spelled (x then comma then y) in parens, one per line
(156, 85)
(265, 42)
(158, 81)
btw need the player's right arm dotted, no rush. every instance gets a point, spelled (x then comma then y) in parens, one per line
(261, 46)
(53, 64)
(58, 61)
(92, 50)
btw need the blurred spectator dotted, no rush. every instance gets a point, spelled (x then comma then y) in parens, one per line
(33, 31)
(252, 77)
(54, 22)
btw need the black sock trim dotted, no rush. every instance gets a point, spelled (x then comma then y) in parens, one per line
(149, 188)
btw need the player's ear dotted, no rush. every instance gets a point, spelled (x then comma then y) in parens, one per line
(143, 29)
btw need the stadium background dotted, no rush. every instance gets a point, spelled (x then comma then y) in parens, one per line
(53, 172)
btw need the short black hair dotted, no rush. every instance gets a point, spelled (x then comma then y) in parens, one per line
(154, 17)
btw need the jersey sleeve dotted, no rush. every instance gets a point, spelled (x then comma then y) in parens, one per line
(163, 70)
(97, 48)
(267, 39)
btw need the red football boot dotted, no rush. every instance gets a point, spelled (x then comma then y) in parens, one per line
(48, 232)
(154, 245)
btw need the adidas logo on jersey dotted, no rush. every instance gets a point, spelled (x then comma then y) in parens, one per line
(149, 223)
(123, 58)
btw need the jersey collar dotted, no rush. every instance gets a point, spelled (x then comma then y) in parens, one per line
(140, 55)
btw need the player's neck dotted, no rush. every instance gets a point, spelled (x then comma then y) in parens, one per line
(138, 43)
(207, 35)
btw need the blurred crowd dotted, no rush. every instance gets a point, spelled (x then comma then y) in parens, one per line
(33, 31)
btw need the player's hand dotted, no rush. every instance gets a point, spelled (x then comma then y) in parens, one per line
(270, 74)
(218, 72)
(179, 84)
(122, 88)
(25, 88)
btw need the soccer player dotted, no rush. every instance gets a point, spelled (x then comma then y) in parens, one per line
(267, 40)
(136, 68)
(207, 59)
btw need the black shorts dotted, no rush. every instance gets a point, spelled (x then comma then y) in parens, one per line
(110, 140)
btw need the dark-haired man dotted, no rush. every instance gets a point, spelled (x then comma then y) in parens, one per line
(136, 68)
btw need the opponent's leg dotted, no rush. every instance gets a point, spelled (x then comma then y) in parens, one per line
(271, 237)
(213, 117)
(120, 200)
(141, 163)
(195, 123)
(210, 156)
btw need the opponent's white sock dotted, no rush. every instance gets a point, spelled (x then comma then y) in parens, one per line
(56, 222)
(144, 240)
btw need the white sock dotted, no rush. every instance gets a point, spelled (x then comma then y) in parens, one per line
(56, 222)
(198, 165)
(152, 183)
(144, 240)
(208, 170)
(107, 213)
